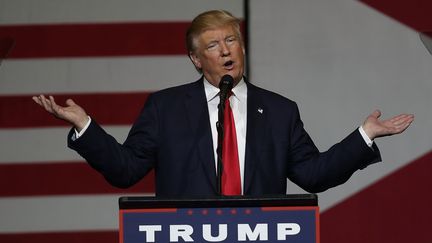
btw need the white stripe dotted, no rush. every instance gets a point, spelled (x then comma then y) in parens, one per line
(59, 213)
(33, 76)
(44, 144)
(64, 11)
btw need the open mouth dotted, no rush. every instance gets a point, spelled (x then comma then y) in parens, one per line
(229, 64)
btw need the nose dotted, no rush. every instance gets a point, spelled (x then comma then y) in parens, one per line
(225, 51)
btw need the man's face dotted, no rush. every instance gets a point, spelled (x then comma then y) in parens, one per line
(218, 52)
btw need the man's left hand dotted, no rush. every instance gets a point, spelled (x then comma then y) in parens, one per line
(375, 128)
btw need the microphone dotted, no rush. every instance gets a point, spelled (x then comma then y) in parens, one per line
(225, 86)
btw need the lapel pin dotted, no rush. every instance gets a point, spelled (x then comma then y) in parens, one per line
(260, 110)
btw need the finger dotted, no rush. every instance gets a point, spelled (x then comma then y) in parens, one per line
(398, 120)
(37, 100)
(402, 119)
(402, 127)
(56, 108)
(46, 103)
(399, 117)
(376, 114)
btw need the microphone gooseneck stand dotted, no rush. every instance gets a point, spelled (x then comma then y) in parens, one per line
(225, 86)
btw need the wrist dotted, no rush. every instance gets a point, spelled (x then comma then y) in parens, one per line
(365, 137)
(368, 132)
(82, 123)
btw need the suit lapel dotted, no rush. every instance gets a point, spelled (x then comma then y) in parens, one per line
(256, 117)
(198, 115)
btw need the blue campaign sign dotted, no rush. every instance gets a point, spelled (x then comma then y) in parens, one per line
(254, 224)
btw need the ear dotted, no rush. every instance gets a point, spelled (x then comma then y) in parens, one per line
(195, 60)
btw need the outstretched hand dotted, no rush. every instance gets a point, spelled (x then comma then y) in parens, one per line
(71, 113)
(375, 128)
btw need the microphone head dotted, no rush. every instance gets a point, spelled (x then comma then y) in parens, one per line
(227, 82)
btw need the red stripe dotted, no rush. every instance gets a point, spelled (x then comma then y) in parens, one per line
(107, 108)
(6, 45)
(63, 237)
(395, 209)
(416, 13)
(90, 40)
(63, 178)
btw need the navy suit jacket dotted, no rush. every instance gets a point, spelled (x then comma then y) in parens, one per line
(173, 136)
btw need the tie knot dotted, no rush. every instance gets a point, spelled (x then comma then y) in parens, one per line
(229, 94)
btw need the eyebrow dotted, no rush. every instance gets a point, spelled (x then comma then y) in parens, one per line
(212, 42)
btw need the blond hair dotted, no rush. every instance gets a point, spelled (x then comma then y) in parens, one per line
(209, 20)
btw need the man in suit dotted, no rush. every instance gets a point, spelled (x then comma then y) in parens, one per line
(176, 134)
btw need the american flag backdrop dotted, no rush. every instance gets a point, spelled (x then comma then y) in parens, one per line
(109, 55)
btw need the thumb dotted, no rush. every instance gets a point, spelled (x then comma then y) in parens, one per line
(376, 114)
(70, 102)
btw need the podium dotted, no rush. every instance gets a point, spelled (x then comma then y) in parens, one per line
(288, 218)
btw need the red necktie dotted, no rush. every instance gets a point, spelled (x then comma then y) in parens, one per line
(231, 184)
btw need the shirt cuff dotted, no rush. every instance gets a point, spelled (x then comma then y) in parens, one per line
(366, 138)
(77, 134)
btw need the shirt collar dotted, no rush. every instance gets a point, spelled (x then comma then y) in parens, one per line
(239, 91)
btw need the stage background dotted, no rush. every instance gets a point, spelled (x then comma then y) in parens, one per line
(338, 59)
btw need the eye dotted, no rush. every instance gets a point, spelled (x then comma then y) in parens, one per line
(212, 46)
(231, 39)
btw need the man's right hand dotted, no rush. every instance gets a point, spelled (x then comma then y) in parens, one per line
(72, 113)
